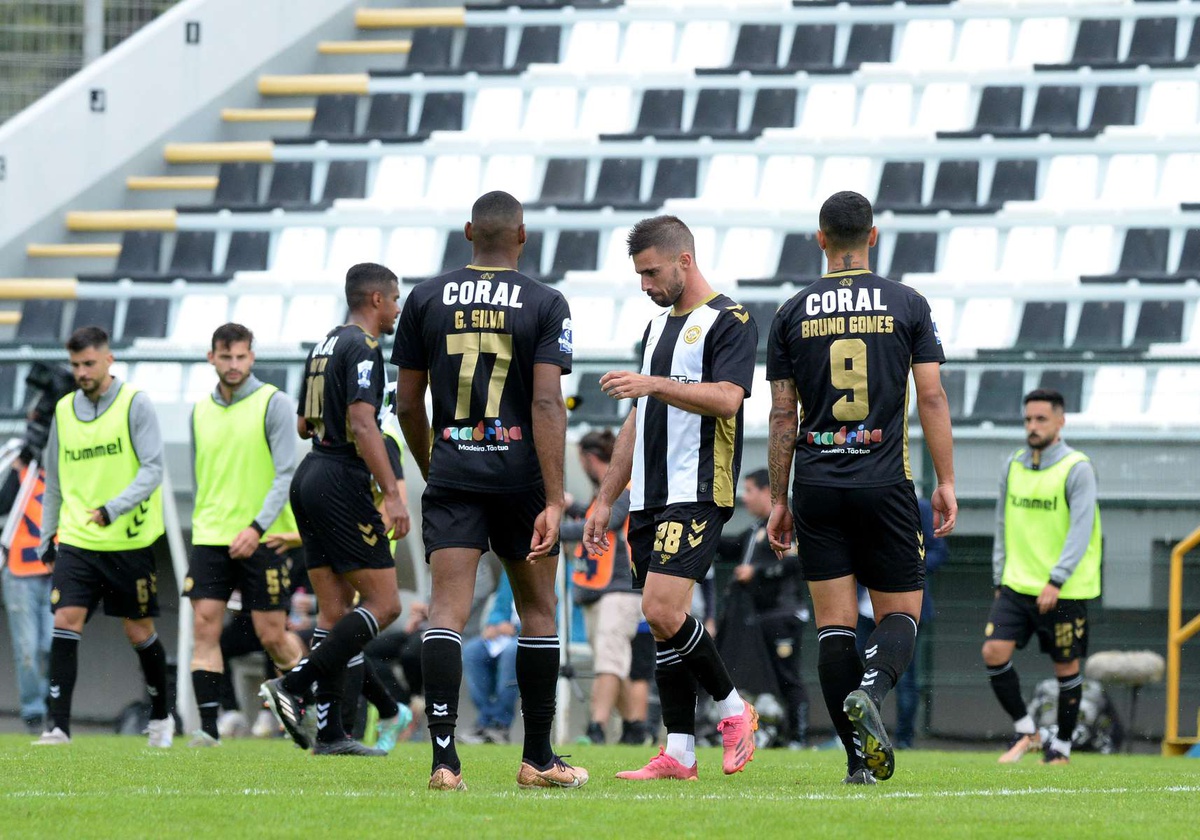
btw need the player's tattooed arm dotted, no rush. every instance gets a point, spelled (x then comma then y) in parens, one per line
(781, 436)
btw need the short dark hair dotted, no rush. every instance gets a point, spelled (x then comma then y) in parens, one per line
(365, 279)
(495, 219)
(599, 442)
(846, 220)
(230, 334)
(1046, 395)
(760, 478)
(666, 233)
(85, 338)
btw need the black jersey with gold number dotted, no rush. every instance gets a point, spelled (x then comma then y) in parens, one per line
(479, 331)
(344, 368)
(848, 341)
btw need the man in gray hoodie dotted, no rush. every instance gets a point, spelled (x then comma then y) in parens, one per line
(1046, 567)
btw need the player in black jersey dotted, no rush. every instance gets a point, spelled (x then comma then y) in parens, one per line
(843, 348)
(333, 496)
(492, 345)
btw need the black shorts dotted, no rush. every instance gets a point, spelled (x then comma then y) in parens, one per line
(1062, 632)
(262, 578)
(645, 657)
(452, 518)
(680, 540)
(124, 580)
(873, 533)
(335, 511)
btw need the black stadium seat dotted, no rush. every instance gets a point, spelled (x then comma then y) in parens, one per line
(801, 259)
(41, 322)
(139, 258)
(577, 250)
(237, 186)
(193, 255)
(1013, 180)
(954, 383)
(674, 178)
(345, 179)
(335, 115)
(291, 184)
(457, 252)
(247, 251)
(1143, 256)
(387, 116)
(716, 113)
(1042, 325)
(430, 50)
(956, 186)
(539, 45)
(1069, 383)
(999, 396)
(1159, 322)
(1115, 105)
(812, 48)
(1096, 42)
(531, 254)
(1189, 258)
(869, 42)
(565, 181)
(441, 112)
(483, 49)
(756, 50)
(1153, 42)
(661, 112)
(1101, 325)
(592, 405)
(915, 252)
(93, 312)
(900, 185)
(146, 318)
(619, 184)
(1056, 109)
(999, 109)
(773, 108)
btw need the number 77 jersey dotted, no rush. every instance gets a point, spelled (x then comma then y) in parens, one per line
(848, 341)
(479, 331)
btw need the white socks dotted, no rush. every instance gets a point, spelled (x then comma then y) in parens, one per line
(1025, 726)
(731, 706)
(682, 748)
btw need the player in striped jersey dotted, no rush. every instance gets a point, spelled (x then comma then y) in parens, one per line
(843, 347)
(682, 446)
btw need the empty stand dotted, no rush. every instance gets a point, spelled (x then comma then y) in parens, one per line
(1043, 325)
(441, 112)
(237, 186)
(1069, 383)
(193, 255)
(538, 45)
(1159, 322)
(956, 187)
(291, 184)
(345, 179)
(483, 49)
(577, 250)
(146, 318)
(1013, 180)
(1101, 326)
(812, 48)
(1114, 105)
(999, 396)
(900, 185)
(248, 250)
(387, 116)
(914, 252)
(41, 322)
(335, 115)
(93, 312)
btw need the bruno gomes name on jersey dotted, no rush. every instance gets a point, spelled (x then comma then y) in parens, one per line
(479, 331)
(345, 367)
(848, 341)
(680, 456)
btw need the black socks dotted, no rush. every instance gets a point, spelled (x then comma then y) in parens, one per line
(698, 652)
(1070, 692)
(1007, 686)
(676, 691)
(64, 667)
(537, 680)
(441, 667)
(153, 657)
(207, 686)
(840, 671)
(889, 651)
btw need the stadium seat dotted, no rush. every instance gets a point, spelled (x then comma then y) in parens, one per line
(605, 110)
(310, 317)
(1159, 322)
(196, 318)
(801, 260)
(335, 116)
(565, 180)
(551, 110)
(1042, 326)
(456, 251)
(248, 250)
(829, 108)
(291, 184)
(1086, 250)
(193, 255)
(1071, 180)
(1114, 105)
(300, 251)
(1180, 178)
(885, 108)
(539, 45)
(619, 183)
(531, 253)
(430, 50)
(1175, 397)
(970, 251)
(483, 49)
(161, 381)
(1096, 42)
(1013, 180)
(352, 245)
(146, 318)
(1101, 326)
(925, 44)
(511, 173)
(237, 186)
(1069, 383)
(592, 405)
(843, 173)
(900, 186)
(263, 314)
(1171, 104)
(592, 44)
(999, 109)
(139, 258)
(757, 48)
(648, 45)
(1029, 253)
(1056, 110)
(1144, 254)
(441, 112)
(944, 106)
(387, 116)
(869, 42)
(453, 180)
(954, 383)
(1130, 180)
(983, 43)
(577, 250)
(1189, 256)
(914, 252)
(661, 112)
(496, 112)
(399, 180)
(414, 251)
(998, 399)
(773, 108)
(1153, 42)
(984, 324)
(674, 178)
(703, 43)
(1118, 394)
(1042, 41)
(956, 187)
(592, 323)
(787, 181)
(93, 312)
(716, 113)
(745, 252)
(41, 322)
(812, 48)
(731, 180)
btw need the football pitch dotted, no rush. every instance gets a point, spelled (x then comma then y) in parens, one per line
(108, 786)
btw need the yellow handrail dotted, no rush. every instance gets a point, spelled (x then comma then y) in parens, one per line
(1177, 634)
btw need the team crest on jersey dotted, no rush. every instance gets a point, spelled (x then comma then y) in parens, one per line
(846, 281)
(55, 596)
(364, 374)
(692, 335)
(565, 338)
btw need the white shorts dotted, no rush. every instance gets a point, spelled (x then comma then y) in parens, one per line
(612, 623)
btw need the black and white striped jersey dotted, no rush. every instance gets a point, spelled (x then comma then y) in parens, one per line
(680, 456)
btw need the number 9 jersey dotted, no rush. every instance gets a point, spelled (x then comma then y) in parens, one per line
(848, 341)
(479, 331)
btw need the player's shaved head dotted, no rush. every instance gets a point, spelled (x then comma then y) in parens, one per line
(667, 234)
(846, 220)
(496, 220)
(363, 280)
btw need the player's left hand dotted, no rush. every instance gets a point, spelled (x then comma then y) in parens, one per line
(945, 509)
(1048, 600)
(97, 517)
(595, 529)
(780, 530)
(244, 544)
(626, 385)
(743, 573)
(545, 533)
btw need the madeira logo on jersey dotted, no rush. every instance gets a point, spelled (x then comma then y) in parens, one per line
(364, 373)
(845, 440)
(482, 437)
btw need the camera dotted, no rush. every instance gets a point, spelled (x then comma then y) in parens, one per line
(45, 385)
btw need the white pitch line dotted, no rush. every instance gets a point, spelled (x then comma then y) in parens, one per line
(617, 796)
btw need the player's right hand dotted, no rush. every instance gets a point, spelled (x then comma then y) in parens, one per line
(595, 530)
(396, 521)
(780, 531)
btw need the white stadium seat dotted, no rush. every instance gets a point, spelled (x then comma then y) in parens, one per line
(400, 180)
(925, 44)
(353, 245)
(983, 44)
(1042, 41)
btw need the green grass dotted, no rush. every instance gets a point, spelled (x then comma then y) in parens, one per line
(110, 786)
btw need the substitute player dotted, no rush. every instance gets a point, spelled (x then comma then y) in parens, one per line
(103, 508)
(1046, 567)
(244, 453)
(843, 347)
(345, 537)
(492, 346)
(682, 447)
